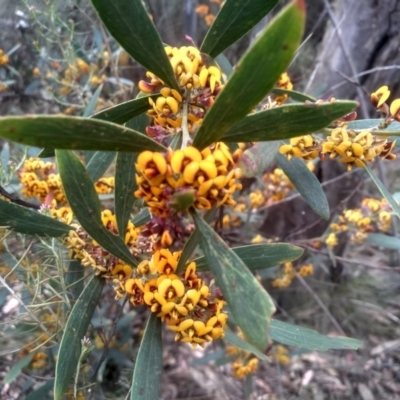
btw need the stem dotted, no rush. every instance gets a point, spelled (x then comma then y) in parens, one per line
(185, 129)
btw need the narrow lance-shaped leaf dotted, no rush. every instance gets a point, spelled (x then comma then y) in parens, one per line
(129, 23)
(293, 94)
(293, 335)
(118, 114)
(259, 256)
(91, 105)
(30, 222)
(255, 74)
(234, 20)
(41, 392)
(192, 242)
(74, 331)
(63, 132)
(125, 181)
(99, 164)
(237, 341)
(287, 121)
(74, 278)
(385, 241)
(85, 205)
(256, 160)
(126, 111)
(17, 368)
(306, 184)
(249, 303)
(385, 193)
(148, 367)
(362, 124)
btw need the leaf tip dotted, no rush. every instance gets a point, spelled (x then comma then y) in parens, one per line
(301, 4)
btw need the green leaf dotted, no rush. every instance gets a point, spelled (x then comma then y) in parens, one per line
(255, 74)
(125, 181)
(256, 159)
(306, 184)
(41, 392)
(91, 106)
(74, 278)
(118, 114)
(237, 341)
(124, 112)
(129, 23)
(63, 132)
(125, 186)
(30, 222)
(250, 305)
(74, 331)
(362, 124)
(207, 358)
(17, 369)
(143, 217)
(385, 193)
(382, 240)
(259, 256)
(287, 121)
(298, 96)
(293, 335)
(249, 387)
(85, 205)
(99, 164)
(147, 373)
(234, 20)
(192, 242)
(224, 65)
(46, 153)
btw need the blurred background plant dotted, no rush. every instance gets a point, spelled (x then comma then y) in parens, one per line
(55, 57)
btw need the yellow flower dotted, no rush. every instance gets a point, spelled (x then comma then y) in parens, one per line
(257, 239)
(380, 96)
(395, 109)
(306, 270)
(305, 147)
(4, 59)
(210, 174)
(331, 241)
(164, 262)
(281, 355)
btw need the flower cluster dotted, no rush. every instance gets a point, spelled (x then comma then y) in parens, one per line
(210, 175)
(183, 301)
(4, 59)
(350, 147)
(392, 112)
(289, 272)
(39, 180)
(356, 148)
(284, 82)
(91, 254)
(173, 111)
(207, 12)
(373, 216)
(244, 363)
(305, 147)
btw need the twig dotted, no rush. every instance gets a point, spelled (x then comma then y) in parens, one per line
(15, 199)
(16, 297)
(347, 55)
(352, 261)
(321, 304)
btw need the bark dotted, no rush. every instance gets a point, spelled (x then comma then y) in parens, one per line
(361, 36)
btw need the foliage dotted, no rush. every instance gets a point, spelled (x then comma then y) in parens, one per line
(158, 229)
